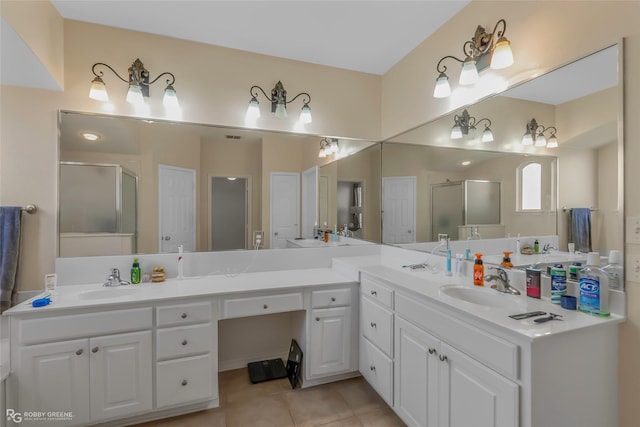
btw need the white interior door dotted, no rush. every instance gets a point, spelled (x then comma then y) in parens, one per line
(309, 201)
(285, 208)
(399, 209)
(177, 200)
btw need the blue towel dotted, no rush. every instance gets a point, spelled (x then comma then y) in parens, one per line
(580, 229)
(10, 217)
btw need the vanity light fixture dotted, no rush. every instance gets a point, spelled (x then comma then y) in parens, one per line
(466, 125)
(484, 49)
(328, 146)
(278, 103)
(138, 85)
(534, 135)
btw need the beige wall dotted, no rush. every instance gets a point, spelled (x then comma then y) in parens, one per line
(40, 25)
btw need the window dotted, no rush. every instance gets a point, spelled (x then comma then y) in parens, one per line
(530, 186)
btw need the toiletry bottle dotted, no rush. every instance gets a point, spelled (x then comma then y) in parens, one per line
(506, 260)
(593, 287)
(180, 262)
(536, 246)
(533, 282)
(478, 271)
(135, 272)
(518, 244)
(50, 283)
(459, 264)
(448, 272)
(614, 271)
(574, 269)
(558, 283)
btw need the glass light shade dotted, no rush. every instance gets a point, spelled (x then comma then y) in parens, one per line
(253, 110)
(323, 153)
(443, 88)
(541, 141)
(469, 73)
(553, 142)
(527, 139)
(305, 114)
(170, 99)
(334, 147)
(281, 111)
(134, 95)
(456, 132)
(98, 90)
(471, 133)
(487, 135)
(502, 56)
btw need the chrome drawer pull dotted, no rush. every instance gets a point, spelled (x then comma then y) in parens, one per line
(184, 315)
(443, 358)
(373, 325)
(79, 352)
(184, 342)
(373, 368)
(184, 382)
(333, 299)
(317, 319)
(265, 306)
(95, 349)
(374, 293)
(432, 351)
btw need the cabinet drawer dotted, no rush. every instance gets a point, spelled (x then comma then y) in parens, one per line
(183, 314)
(377, 291)
(330, 298)
(184, 380)
(183, 341)
(377, 325)
(377, 369)
(500, 355)
(252, 306)
(58, 328)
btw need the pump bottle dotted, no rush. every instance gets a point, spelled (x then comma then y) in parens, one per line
(478, 271)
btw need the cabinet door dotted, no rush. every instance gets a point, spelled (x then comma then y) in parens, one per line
(54, 377)
(120, 375)
(472, 394)
(416, 375)
(330, 350)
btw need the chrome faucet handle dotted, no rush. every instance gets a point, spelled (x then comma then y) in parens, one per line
(115, 273)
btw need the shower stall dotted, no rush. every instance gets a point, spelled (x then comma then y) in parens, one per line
(98, 209)
(350, 207)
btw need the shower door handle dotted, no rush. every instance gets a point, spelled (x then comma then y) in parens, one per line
(167, 237)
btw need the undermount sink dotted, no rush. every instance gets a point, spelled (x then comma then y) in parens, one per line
(108, 293)
(480, 296)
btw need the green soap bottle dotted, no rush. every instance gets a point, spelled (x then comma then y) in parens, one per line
(135, 272)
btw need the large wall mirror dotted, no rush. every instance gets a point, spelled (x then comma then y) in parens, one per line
(425, 172)
(143, 186)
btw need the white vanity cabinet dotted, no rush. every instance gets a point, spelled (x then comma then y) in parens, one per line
(331, 332)
(186, 353)
(376, 336)
(93, 366)
(437, 385)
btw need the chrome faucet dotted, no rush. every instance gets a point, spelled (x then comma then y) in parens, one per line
(502, 282)
(114, 279)
(546, 249)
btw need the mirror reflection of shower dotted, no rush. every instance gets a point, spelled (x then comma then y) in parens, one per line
(350, 207)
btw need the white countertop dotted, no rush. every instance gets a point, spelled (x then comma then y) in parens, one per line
(81, 296)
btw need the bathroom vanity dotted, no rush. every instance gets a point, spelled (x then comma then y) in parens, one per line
(439, 351)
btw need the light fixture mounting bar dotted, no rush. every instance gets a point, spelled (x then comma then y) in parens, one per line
(138, 75)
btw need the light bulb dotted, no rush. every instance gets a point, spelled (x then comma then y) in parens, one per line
(502, 56)
(456, 132)
(253, 110)
(305, 114)
(443, 88)
(281, 111)
(527, 139)
(541, 141)
(487, 135)
(469, 73)
(134, 95)
(553, 141)
(98, 90)
(170, 99)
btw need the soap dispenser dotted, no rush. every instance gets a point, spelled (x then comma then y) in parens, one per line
(506, 260)
(135, 272)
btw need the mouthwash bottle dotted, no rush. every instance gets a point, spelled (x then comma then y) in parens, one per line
(594, 287)
(614, 271)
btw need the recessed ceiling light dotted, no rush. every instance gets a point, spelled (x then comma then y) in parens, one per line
(466, 163)
(90, 136)
(231, 178)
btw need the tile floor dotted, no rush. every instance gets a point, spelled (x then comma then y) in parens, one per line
(348, 403)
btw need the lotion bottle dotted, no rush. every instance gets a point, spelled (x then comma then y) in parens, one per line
(478, 271)
(135, 272)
